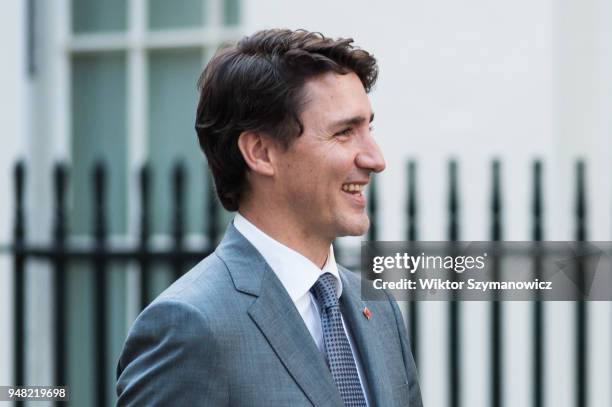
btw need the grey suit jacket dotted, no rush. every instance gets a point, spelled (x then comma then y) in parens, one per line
(227, 333)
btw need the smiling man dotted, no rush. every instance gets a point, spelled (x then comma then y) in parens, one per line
(270, 319)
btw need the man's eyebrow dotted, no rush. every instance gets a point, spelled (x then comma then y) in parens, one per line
(353, 121)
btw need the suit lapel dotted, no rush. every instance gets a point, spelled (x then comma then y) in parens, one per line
(371, 346)
(279, 321)
(277, 318)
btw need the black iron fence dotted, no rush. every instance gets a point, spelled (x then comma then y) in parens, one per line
(59, 253)
(100, 254)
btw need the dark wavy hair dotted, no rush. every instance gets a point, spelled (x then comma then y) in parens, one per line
(257, 85)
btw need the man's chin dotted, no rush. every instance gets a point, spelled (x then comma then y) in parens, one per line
(357, 227)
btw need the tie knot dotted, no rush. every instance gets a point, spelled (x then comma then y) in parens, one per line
(324, 291)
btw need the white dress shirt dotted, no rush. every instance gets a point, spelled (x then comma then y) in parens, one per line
(298, 274)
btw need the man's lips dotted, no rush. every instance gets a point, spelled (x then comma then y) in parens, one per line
(354, 191)
(354, 187)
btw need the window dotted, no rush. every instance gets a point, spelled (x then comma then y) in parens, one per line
(131, 67)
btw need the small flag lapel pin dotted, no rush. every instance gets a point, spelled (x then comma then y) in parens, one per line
(367, 313)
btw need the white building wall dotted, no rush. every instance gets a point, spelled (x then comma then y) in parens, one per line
(472, 80)
(584, 87)
(477, 80)
(13, 117)
(467, 80)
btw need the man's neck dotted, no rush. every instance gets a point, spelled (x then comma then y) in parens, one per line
(315, 248)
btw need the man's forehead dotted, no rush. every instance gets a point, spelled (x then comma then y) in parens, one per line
(337, 97)
(332, 84)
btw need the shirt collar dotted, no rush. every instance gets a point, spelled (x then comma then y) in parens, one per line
(297, 273)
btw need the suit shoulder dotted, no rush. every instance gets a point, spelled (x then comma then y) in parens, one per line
(190, 301)
(206, 282)
(171, 345)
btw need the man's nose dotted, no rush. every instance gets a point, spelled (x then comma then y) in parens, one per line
(370, 157)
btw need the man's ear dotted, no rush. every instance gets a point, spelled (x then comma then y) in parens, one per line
(255, 149)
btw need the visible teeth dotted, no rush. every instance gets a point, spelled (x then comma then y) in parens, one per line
(352, 187)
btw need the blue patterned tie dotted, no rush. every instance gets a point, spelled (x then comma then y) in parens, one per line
(339, 356)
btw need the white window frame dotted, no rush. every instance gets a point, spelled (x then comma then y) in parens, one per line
(136, 41)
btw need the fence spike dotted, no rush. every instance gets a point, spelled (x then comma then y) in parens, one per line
(411, 205)
(537, 209)
(60, 182)
(496, 306)
(411, 212)
(212, 212)
(372, 204)
(99, 176)
(580, 202)
(496, 203)
(538, 311)
(19, 281)
(453, 202)
(145, 189)
(178, 186)
(60, 177)
(19, 174)
(100, 281)
(581, 310)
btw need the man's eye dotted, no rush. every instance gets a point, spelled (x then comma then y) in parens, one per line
(371, 128)
(345, 132)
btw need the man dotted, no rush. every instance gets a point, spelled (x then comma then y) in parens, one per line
(270, 319)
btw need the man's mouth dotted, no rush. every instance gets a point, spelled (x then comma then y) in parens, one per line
(354, 192)
(353, 188)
